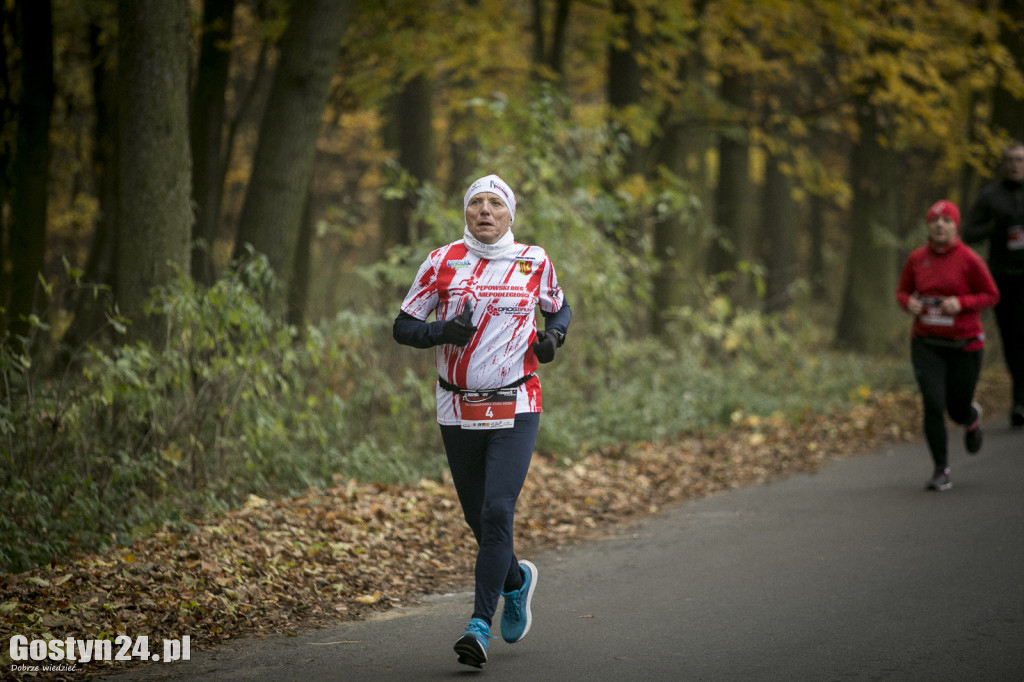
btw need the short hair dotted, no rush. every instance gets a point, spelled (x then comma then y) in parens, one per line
(1010, 146)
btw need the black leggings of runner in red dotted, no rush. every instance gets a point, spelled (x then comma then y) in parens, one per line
(947, 378)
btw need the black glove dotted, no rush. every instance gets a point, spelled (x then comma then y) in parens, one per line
(459, 330)
(544, 347)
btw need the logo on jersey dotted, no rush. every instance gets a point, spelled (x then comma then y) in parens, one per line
(494, 310)
(525, 265)
(456, 264)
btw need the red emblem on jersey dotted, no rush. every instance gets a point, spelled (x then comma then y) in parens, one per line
(525, 266)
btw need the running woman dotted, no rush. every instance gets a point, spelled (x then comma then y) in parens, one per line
(483, 291)
(946, 285)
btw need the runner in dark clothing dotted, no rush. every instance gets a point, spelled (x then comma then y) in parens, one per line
(997, 216)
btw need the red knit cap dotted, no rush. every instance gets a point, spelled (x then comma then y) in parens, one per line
(946, 208)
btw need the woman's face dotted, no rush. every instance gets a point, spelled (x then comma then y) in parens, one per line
(941, 231)
(487, 217)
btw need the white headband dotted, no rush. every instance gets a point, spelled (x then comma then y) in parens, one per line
(495, 185)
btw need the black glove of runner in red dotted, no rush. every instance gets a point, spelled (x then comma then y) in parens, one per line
(544, 347)
(459, 330)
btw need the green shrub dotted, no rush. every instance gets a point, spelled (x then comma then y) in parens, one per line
(236, 402)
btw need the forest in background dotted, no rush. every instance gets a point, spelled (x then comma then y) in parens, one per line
(211, 210)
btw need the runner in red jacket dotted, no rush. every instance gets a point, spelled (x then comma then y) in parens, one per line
(946, 285)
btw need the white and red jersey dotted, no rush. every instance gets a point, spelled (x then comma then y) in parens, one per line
(504, 293)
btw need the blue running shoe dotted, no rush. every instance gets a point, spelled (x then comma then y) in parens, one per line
(515, 616)
(472, 646)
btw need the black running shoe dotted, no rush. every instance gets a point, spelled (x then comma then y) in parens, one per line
(1017, 417)
(972, 436)
(940, 481)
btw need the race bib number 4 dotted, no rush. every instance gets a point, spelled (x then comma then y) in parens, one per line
(489, 409)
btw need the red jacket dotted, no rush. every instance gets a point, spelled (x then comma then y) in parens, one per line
(935, 274)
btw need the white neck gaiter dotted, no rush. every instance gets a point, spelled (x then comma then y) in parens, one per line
(503, 248)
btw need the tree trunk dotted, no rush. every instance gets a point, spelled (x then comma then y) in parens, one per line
(1007, 107)
(31, 163)
(778, 232)
(155, 216)
(463, 144)
(410, 130)
(675, 244)
(101, 265)
(548, 63)
(624, 86)
(679, 235)
(462, 150)
(8, 128)
(298, 289)
(207, 133)
(816, 265)
(868, 315)
(282, 166)
(734, 199)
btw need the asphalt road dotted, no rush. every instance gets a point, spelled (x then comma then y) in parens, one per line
(852, 573)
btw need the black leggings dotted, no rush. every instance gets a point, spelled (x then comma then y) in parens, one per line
(1010, 318)
(489, 469)
(947, 378)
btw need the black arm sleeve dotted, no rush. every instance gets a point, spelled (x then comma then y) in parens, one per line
(409, 331)
(560, 320)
